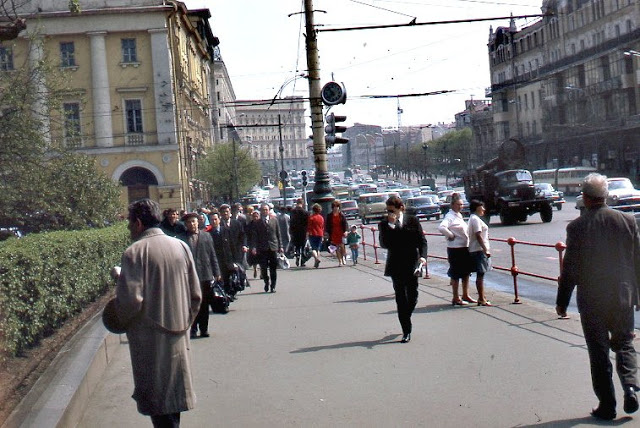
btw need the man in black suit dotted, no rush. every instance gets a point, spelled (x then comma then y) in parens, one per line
(401, 234)
(265, 244)
(603, 261)
(222, 246)
(237, 236)
(204, 255)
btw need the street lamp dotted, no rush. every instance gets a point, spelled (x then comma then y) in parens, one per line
(425, 147)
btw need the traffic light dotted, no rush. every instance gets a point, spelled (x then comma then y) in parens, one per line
(304, 178)
(331, 129)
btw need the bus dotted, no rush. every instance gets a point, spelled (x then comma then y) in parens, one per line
(567, 180)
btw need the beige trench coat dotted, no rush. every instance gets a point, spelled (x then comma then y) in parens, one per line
(159, 292)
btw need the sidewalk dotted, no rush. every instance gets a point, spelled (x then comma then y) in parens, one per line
(324, 351)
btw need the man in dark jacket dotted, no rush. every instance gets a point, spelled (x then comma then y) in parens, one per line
(170, 224)
(298, 229)
(401, 234)
(603, 261)
(237, 236)
(204, 255)
(222, 245)
(265, 244)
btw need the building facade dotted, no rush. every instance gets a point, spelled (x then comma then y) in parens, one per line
(567, 85)
(268, 127)
(139, 99)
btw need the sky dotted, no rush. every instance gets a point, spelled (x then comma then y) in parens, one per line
(263, 48)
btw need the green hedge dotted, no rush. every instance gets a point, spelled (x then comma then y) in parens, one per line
(46, 278)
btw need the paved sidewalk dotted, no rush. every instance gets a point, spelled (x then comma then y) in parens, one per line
(324, 351)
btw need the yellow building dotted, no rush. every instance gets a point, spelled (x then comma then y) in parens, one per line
(140, 73)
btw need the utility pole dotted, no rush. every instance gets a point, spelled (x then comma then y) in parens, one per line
(283, 173)
(322, 187)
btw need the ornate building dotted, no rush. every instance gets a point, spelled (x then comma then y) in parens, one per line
(567, 85)
(140, 74)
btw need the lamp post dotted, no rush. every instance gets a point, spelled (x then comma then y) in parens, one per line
(425, 147)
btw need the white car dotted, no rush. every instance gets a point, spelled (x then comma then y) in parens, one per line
(622, 195)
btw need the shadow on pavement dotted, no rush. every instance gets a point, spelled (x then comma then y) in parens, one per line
(387, 340)
(587, 420)
(370, 299)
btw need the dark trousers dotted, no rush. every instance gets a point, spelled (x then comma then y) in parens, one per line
(406, 288)
(268, 265)
(603, 331)
(202, 319)
(171, 420)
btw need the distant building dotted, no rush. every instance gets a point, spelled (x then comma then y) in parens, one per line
(366, 146)
(257, 125)
(566, 85)
(140, 101)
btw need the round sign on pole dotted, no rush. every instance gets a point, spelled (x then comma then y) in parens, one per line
(333, 93)
(283, 175)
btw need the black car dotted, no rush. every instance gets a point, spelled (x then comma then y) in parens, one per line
(423, 207)
(445, 205)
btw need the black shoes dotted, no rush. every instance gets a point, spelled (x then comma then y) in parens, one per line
(204, 334)
(194, 334)
(406, 338)
(266, 287)
(297, 261)
(604, 413)
(316, 264)
(630, 400)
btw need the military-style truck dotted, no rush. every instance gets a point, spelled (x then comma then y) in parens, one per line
(506, 188)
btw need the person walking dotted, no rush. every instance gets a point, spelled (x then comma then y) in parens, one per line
(158, 296)
(315, 231)
(456, 231)
(284, 223)
(401, 234)
(603, 261)
(204, 255)
(171, 225)
(479, 248)
(353, 241)
(336, 230)
(265, 245)
(221, 237)
(298, 229)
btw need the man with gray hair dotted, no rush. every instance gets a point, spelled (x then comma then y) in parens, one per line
(603, 261)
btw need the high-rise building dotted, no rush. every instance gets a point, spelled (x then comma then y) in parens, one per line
(567, 85)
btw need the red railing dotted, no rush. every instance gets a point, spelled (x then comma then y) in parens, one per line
(512, 242)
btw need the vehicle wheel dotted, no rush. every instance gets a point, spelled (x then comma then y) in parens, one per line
(559, 207)
(506, 218)
(546, 213)
(438, 217)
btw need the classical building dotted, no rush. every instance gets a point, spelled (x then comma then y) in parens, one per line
(268, 127)
(567, 85)
(140, 74)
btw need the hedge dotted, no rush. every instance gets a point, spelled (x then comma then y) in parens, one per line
(46, 278)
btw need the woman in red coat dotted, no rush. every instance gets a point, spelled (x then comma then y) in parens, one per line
(315, 230)
(337, 228)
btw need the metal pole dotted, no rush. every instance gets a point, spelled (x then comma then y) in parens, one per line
(282, 171)
(322, 187)
(235, 169)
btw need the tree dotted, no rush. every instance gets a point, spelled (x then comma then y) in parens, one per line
(44, 185)
(218, 171)
(452, 152)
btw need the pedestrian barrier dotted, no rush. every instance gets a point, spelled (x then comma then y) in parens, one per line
(560, 247)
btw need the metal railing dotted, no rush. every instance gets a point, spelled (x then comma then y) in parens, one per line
(560, 247)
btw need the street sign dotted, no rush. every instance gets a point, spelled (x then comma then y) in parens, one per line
(283, 175)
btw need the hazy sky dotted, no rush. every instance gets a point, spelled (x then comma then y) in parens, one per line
(263, 47)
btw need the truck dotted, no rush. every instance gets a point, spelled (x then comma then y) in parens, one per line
(507, 188)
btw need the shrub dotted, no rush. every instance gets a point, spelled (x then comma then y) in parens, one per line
(46, 278)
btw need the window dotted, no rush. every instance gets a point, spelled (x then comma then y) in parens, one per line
(129, 50)
(133, 111)
(6, 58)
(67, 54)
(72, 131)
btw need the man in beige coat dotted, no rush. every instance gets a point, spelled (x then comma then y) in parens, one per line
(158, 297)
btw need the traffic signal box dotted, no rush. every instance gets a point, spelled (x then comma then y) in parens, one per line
(331, 129)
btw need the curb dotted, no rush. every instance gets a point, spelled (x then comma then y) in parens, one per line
(59, 397)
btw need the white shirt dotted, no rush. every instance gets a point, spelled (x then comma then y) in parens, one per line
(399, 221)
(453, 226)
(477, 225)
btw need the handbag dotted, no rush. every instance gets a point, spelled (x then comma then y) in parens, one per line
(290, 252)
(283, 262)
(306, 253)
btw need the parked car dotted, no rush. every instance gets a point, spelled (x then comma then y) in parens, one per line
(445, 205)
(423, 207)
(546, 190)
(372, 206)
(622, 195)
(349, 208)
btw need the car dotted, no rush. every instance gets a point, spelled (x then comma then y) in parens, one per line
(349, 208)
(622, 195)
(423, 207)
(381, 182)
(372, 206)
(445, 205)
(546, 190)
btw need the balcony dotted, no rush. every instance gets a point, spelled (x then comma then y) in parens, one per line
(135, 139)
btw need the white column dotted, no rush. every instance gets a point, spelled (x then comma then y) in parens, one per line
(40, 113)
(100, 90)
(163, 87)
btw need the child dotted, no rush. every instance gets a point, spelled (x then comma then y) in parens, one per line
(352, 240)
